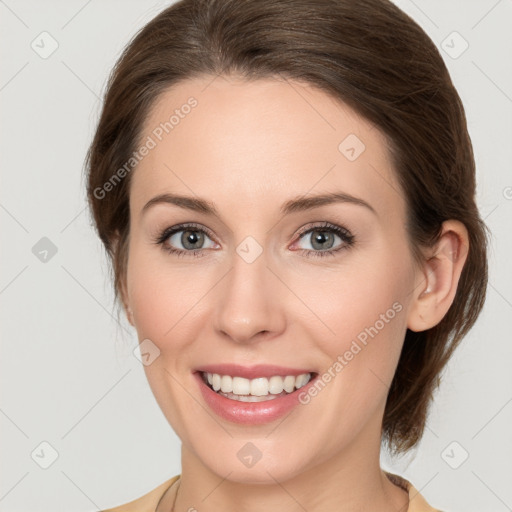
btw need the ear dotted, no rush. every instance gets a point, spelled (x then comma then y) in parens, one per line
(438, 277)
(126, 302)
(123, 291)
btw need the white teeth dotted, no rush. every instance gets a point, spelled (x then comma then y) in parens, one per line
(289, 383)
(259, 387)
(216, 381)
(241, 386)
(226, 384)
(302, 380)
(275, 385)
(250, 398)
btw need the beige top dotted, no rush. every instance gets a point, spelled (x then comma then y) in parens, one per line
(164, 495)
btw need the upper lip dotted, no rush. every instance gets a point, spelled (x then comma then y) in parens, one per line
(251, 372)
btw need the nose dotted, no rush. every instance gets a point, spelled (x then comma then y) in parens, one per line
(250, 302)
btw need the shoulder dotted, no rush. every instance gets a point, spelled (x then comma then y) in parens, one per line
(149, 501)
(417, 502)
(146, 503)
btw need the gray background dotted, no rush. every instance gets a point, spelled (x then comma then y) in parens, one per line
(68, 374)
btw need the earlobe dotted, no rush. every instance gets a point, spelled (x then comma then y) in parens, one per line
(129, 315)
(126, 305)
(128, 310)
(123, 293)
(439, 277)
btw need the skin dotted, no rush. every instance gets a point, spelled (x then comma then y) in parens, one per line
(249, 147)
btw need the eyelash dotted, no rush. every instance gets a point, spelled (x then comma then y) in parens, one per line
(345, 235)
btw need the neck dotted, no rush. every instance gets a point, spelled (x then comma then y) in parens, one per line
(349, 481)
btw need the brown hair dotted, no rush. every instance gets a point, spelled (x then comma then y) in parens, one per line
(368, 54)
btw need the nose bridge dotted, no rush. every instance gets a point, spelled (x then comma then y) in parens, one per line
(249, 303)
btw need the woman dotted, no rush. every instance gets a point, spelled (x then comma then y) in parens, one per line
(286, 189)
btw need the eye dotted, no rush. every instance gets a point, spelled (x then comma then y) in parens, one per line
(189, 240)
(185, 239)
(322, 240)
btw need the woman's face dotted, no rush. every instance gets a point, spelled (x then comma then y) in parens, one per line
(269, 276)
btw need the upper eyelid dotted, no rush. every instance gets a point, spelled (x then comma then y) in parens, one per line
(328, 226)
(171, 230)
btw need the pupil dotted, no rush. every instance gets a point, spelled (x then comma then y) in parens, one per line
(321, 239)
(190, 238)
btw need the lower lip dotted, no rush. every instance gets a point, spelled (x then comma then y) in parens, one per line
(250, 413)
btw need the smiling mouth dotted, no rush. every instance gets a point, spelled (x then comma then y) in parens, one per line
(260, 389)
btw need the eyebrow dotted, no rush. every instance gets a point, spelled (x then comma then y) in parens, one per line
(294, 205)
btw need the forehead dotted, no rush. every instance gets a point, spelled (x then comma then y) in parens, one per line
(248, 142)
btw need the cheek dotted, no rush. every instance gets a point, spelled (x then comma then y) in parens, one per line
(165, 296)
(364, 317)
(364, 294)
